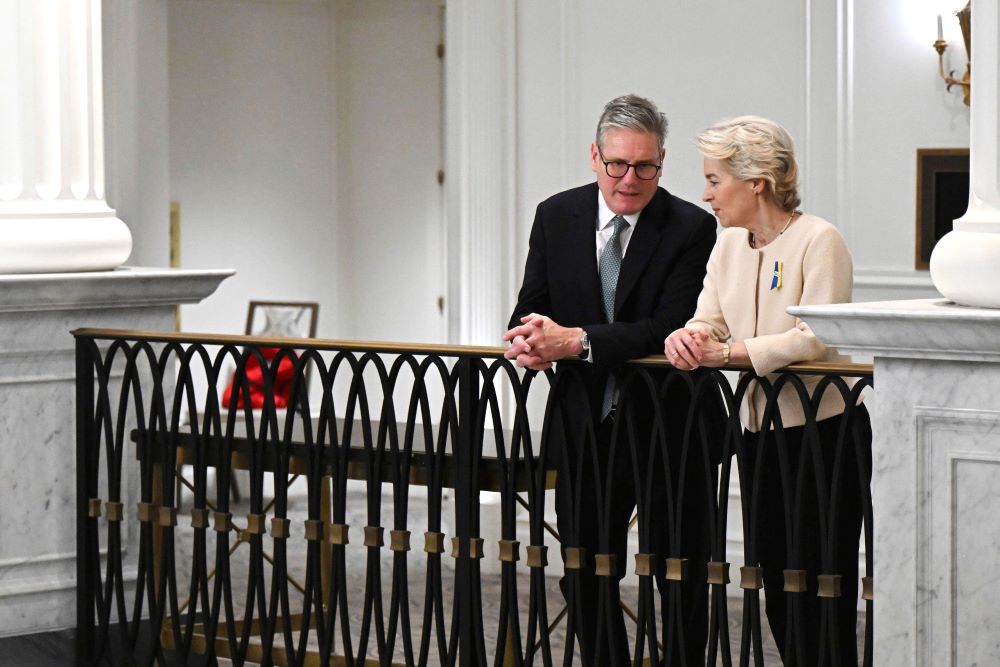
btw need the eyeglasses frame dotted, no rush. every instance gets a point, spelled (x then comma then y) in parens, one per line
(629, 165)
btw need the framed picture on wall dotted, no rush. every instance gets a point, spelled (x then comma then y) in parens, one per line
(280, 319)
(942, 196)
(287, 319)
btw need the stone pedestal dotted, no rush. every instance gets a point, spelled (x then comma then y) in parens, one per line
(37, 421)
(936, 475)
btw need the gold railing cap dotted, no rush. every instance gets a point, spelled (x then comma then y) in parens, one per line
(718, 572)
(280, 527)
(537, 555)
(338, 534)
(255, 524)
(795, 581)
(646, 564)
(145, 511)
(867, 588)
(509, 550)
(314, 529)
(605, 564)
(114, 510)
(374, 536)
(676, 569)
(433, 542)
(399, 540)
(828, 585)
(575, 558)
(751, 578)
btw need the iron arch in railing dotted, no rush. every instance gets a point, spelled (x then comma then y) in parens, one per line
(409, 437)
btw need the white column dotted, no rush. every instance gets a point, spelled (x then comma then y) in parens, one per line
(53, 215)
(965, 264)
(480, 108)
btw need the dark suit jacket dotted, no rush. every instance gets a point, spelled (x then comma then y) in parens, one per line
(661, 275)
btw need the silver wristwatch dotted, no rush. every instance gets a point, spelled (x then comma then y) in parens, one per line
(585, 342)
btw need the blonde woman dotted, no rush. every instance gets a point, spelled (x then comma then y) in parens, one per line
(769, 257)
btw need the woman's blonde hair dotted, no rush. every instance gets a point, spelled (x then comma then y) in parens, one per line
(754, 147)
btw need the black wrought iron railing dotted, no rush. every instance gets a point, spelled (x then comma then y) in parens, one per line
(362, 536)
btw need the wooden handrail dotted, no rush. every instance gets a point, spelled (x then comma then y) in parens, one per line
(296, 343)
(810, 367)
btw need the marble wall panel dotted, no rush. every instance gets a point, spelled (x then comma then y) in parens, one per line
(957, 535)
(38, 462)
(975, 615)
(935, 498)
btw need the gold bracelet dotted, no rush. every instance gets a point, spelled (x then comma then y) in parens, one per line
(725, 353)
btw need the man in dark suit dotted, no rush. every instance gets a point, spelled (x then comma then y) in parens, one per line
(613, 267)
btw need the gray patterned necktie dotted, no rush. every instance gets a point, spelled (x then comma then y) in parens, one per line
(610, 265)
(608, 268)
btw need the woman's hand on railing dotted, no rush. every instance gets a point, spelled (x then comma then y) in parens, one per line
(686, 349)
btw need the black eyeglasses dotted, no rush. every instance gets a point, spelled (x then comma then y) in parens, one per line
(618, 169)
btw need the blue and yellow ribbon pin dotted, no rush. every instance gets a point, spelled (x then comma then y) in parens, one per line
(776, 278)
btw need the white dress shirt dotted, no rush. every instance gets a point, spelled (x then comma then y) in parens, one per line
(605, 229)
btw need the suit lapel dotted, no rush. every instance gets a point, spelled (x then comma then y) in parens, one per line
(641, 247)
(582, 253)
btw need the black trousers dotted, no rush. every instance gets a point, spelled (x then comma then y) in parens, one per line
(601, 630)
(795, 618)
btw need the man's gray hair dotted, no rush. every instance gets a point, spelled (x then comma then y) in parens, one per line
(631, 112)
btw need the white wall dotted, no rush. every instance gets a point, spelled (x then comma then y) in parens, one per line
(390, 96)
(574, 60)
(855, 83)
(251, 154)
(136, 124)
(255, 86)
(253, 83)
(305, 142)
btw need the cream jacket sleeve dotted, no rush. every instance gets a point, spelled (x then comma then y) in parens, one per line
(827, 277)
(708, 313)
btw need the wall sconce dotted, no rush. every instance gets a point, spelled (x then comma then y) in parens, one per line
(965, 22)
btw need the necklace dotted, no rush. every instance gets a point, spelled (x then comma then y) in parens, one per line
(753, 239)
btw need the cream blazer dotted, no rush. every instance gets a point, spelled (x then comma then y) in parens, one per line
(745, 296)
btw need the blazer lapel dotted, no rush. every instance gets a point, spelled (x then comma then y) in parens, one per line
(641, 247)
(581, 254)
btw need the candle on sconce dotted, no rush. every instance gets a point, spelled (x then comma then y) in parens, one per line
(940, 29)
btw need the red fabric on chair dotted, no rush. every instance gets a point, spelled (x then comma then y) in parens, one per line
(281, 381)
